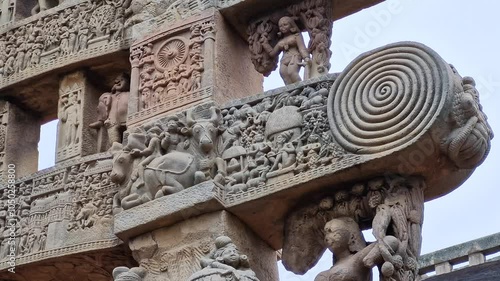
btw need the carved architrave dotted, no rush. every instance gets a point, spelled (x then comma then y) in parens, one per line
(68, 33)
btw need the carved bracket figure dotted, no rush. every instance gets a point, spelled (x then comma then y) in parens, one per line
(312, 16)
(225, 262)
(393, 205)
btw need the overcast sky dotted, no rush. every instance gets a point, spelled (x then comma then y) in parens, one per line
(464, 33)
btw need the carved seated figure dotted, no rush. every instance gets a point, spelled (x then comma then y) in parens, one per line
(224, 263)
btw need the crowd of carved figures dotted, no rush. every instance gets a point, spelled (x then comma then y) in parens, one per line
(175, 68)
(267, 39)
(282, 135)
(391, 206)
(239, 148)
(82, 199)
(66, 32)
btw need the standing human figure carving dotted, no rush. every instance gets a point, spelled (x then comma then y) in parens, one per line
(294, 50)
(112, 109)
(69, 116)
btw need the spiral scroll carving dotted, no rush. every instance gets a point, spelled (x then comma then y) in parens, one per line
(388, 97)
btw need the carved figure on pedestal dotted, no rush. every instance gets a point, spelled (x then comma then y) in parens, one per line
(224, 263)
(292, 45)
(112, 109)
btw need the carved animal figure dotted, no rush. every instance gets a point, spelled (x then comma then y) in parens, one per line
(469, 142)
(171, 172)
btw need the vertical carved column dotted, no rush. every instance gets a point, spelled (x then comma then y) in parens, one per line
(133, 99)
(77, 104)
(7, 11)
(19, 136)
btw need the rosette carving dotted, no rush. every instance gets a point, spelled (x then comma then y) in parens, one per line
(172, 53)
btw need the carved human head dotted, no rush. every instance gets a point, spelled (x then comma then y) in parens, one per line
(227, 253)
(342, 234)
(287, 25)
(121, 83)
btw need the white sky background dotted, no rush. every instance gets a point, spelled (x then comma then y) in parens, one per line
(465, 34)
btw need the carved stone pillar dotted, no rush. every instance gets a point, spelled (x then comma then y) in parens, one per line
(190, 63)
(170, 235)
(7, 11)
(77, 104)
(19, 136)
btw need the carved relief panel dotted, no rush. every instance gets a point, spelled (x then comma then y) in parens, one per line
(77, 102)
(68, 30)
(69, 114)
(62, 211)
(187, 64)
(171, 68)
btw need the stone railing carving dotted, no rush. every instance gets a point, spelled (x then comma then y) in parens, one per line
(473, 252)
(60, 211)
